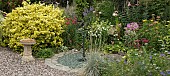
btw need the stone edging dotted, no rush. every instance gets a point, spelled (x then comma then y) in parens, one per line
(52, 62)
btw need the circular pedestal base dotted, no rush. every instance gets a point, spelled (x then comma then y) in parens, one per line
(27, 58)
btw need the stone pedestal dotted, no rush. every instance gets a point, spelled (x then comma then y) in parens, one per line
(27, 54)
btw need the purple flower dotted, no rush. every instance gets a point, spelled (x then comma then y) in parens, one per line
(86, 10)
(150, 57)
(129, 25)
(84, 14)
(168, 72)
(162, 73)
(91, 8)
(125, 61)
(150, 74)
(168, 52)
(162, 55)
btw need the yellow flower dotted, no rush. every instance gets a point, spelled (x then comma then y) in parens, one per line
(124, 57)
(144, 20)
(151, 20)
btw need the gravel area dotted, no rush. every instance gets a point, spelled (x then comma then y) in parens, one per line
(11, 65)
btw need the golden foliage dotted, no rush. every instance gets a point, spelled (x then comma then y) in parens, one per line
(37, 21)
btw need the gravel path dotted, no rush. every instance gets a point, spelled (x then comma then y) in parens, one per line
(11, 65)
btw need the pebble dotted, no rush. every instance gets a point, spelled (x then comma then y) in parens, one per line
(11, 65)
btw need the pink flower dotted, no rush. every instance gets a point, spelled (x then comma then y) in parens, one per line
(135, 25)
(132, 26)
(129, 4)
(144, 40)
(129, 25)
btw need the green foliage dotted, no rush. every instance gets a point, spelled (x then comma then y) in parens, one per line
(135, 13)
(147, 63)
(153, 31)
(158, 7)
(106, 8)
(165, 41)
(71, 36)
(115, 48)
(80, 5)
(99, 28)
(62, 49)
(45, 53)
(59, 49)
(36, 21)
(138, 64)
(8, 5)
(98, 33)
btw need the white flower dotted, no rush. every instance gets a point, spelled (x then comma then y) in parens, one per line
(115, 13)
(100, 12)
(94, 11)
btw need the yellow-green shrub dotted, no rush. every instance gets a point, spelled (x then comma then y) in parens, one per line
(37, 21)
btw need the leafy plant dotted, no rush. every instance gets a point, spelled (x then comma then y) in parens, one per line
(62, 49)
(153, 31)
(138, 63)
(106, 8)
(45, 53)
(71, 37)
(165, 42)
(115, 48)
(98, 33)
(130, 33)
(157, 7)
(80, 5)
(36, 21)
